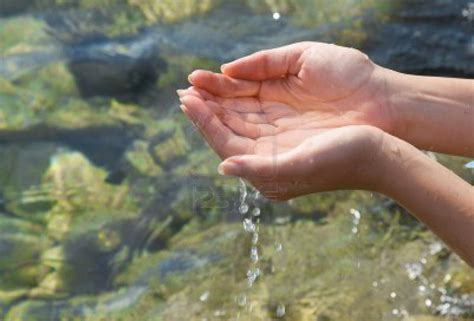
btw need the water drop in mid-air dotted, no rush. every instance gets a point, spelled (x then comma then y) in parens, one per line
(281, 311)
(249, 226)
(204, 297)
(254, 255)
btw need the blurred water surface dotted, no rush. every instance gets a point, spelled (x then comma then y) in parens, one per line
(110, 204)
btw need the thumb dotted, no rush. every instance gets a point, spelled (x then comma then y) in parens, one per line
(249, 166)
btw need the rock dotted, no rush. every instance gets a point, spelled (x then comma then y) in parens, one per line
(120, 69)
(21, 245)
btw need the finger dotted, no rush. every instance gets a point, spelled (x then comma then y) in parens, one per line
(269, 90)
(239, 104)
(267, 64)
(261, 167)
(282, 191)
(222, 85)
(219, 137)
(200, 93)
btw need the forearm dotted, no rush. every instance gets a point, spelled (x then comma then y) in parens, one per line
(435, 195)
(433, 113)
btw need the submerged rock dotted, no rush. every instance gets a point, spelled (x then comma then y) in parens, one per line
(115, 68)
(21, 245)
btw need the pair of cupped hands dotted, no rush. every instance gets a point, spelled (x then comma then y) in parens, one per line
(304, 118)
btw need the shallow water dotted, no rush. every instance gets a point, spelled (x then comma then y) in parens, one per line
(110, 204)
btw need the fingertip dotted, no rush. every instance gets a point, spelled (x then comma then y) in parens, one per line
(230, 167)
(192, 78)
(183, 109)
(189, 99)
(220, 169)
(199, 78)
(223, 68)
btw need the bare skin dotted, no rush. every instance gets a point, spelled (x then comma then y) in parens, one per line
(313, 117)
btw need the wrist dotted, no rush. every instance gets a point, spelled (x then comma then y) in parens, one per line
(398, 163)
(394, 86)
(373, 172)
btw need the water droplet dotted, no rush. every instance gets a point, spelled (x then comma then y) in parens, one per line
(428, 303)
(280, 311)
(278, 247)
(276, 15)
(254, 254)
(393, 295)
(375, 284)
(205, 296)
(422, 288)
(395, 311)
(243, 208)
(414, 270)
(256, 212)
(249, 226)
(255, 238)
(356, 214)
(355, 220)
(242, 189)
(242, 300)
(252, 276)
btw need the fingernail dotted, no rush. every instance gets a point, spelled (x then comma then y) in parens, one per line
(183, 108)
(180, 92)
(223, 67)
(191, 78)
(229, 168)
(220, 169)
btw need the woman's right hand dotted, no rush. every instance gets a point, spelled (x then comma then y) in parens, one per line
(331, 86)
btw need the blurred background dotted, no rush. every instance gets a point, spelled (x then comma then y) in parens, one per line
(110, 204)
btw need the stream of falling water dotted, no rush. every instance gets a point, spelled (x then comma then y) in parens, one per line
(250, 212)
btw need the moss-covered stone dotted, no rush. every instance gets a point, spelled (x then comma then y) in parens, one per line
(23, 35)
(21, 245)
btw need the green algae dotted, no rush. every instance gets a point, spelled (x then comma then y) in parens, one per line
(309, 285)
(32, 36)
